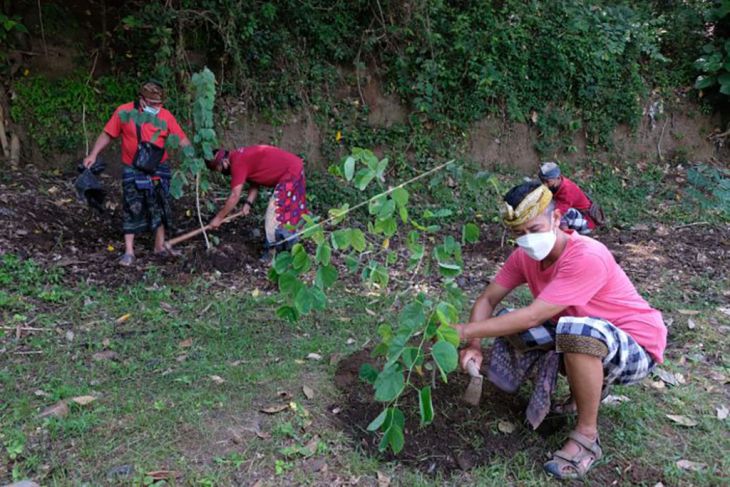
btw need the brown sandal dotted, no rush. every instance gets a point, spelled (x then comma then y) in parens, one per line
(576, 464)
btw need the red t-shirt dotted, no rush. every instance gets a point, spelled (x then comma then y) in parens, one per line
(114, 127)
(263, 165)
(588, 281)
(569, 195)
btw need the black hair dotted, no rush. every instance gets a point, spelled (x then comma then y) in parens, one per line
(210, 163)
(154, 82)
(515, 195)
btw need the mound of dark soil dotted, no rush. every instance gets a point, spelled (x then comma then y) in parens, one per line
(461, 437)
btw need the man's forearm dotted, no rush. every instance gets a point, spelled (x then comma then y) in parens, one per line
(507, 324)
(231, 203)
(481, 310)
(101, 142)
(253, 191)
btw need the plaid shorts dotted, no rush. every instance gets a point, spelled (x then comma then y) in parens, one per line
(624, 360)
(575, 220)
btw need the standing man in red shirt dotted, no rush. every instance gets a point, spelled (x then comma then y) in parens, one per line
(268, 166)
(145, 197)
(585, 313)
(572, 202)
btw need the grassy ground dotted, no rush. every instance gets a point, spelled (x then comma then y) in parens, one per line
(182, 374)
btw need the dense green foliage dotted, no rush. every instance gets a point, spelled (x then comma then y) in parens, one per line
(565, 66)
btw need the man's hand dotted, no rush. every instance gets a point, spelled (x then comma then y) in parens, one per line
(246, 208)
(471, 353)
(89, 161)
(216, 222)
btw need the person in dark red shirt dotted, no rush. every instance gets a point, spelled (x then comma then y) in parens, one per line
(268, 166)
(146, 198)
(569, 199)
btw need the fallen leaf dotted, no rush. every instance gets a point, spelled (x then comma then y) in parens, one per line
(217, 379)
(724, 311)
(167, 307)
(370, 312)
(69, 336)
(683, 420)
(688, 312)
(314, 356)
(657, 384)
(336, 410)
(335, 358)
(506, 427)
(312, 445)
(181, 358)
(692, 466)
(256, 292)
(722, 412)
(666, 376)
(83, 400)
(123, 318)
(163, 474)
(106, 342)
(308, 392)
(611, 399)
(40, 393)
(110, 248)
(383, 480)
(350, 341)
(105, 355)
(680, 378)
(275, 408)
(58, 410)
(691, 324)
(188, 342)
(263, 435)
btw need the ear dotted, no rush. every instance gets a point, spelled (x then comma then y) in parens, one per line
(558, 214)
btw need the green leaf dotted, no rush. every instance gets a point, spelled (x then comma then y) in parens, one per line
(725, 88)
(386, 210)
(304, 300)
(378, 422)
(400, 196)
(445, 356)
(447, 313)
(282, 262)
(394, 438)
(341, 239)
(368, 373)
(380, 170)
(412, 316)
(352, 263)
(357, 238)
(448, 333)
(349, 168)
(470, 233)
(324, 253)
(703, 82)
(389, 383)
(449, 269)
(287, 313)
(326, 276)
(412, 356)
(300, 260)
(289, 284)
(320, 300)
(363, 178)
(425, 405)
(387, 227)
(339, 214)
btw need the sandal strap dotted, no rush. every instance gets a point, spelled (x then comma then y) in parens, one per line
(592, 446)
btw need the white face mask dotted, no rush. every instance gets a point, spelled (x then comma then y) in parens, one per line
(151, 110)
(538, 245)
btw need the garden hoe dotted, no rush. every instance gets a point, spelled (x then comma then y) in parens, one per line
(193, 233)
(473, 393)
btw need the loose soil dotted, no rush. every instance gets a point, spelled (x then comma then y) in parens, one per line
(461, 437)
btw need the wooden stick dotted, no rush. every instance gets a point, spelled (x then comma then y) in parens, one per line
(198, 231)
(3, 134)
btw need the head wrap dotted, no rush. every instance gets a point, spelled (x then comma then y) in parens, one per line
(532, 205)
(549, 170)
(152, 90)
(219, 156)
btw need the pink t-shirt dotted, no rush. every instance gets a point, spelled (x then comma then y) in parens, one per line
(588, 281)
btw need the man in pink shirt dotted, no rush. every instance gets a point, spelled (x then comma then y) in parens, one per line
(586, 313)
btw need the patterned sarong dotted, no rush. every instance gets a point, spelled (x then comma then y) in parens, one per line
(539, 348)
(146, 200)
(291, 200)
